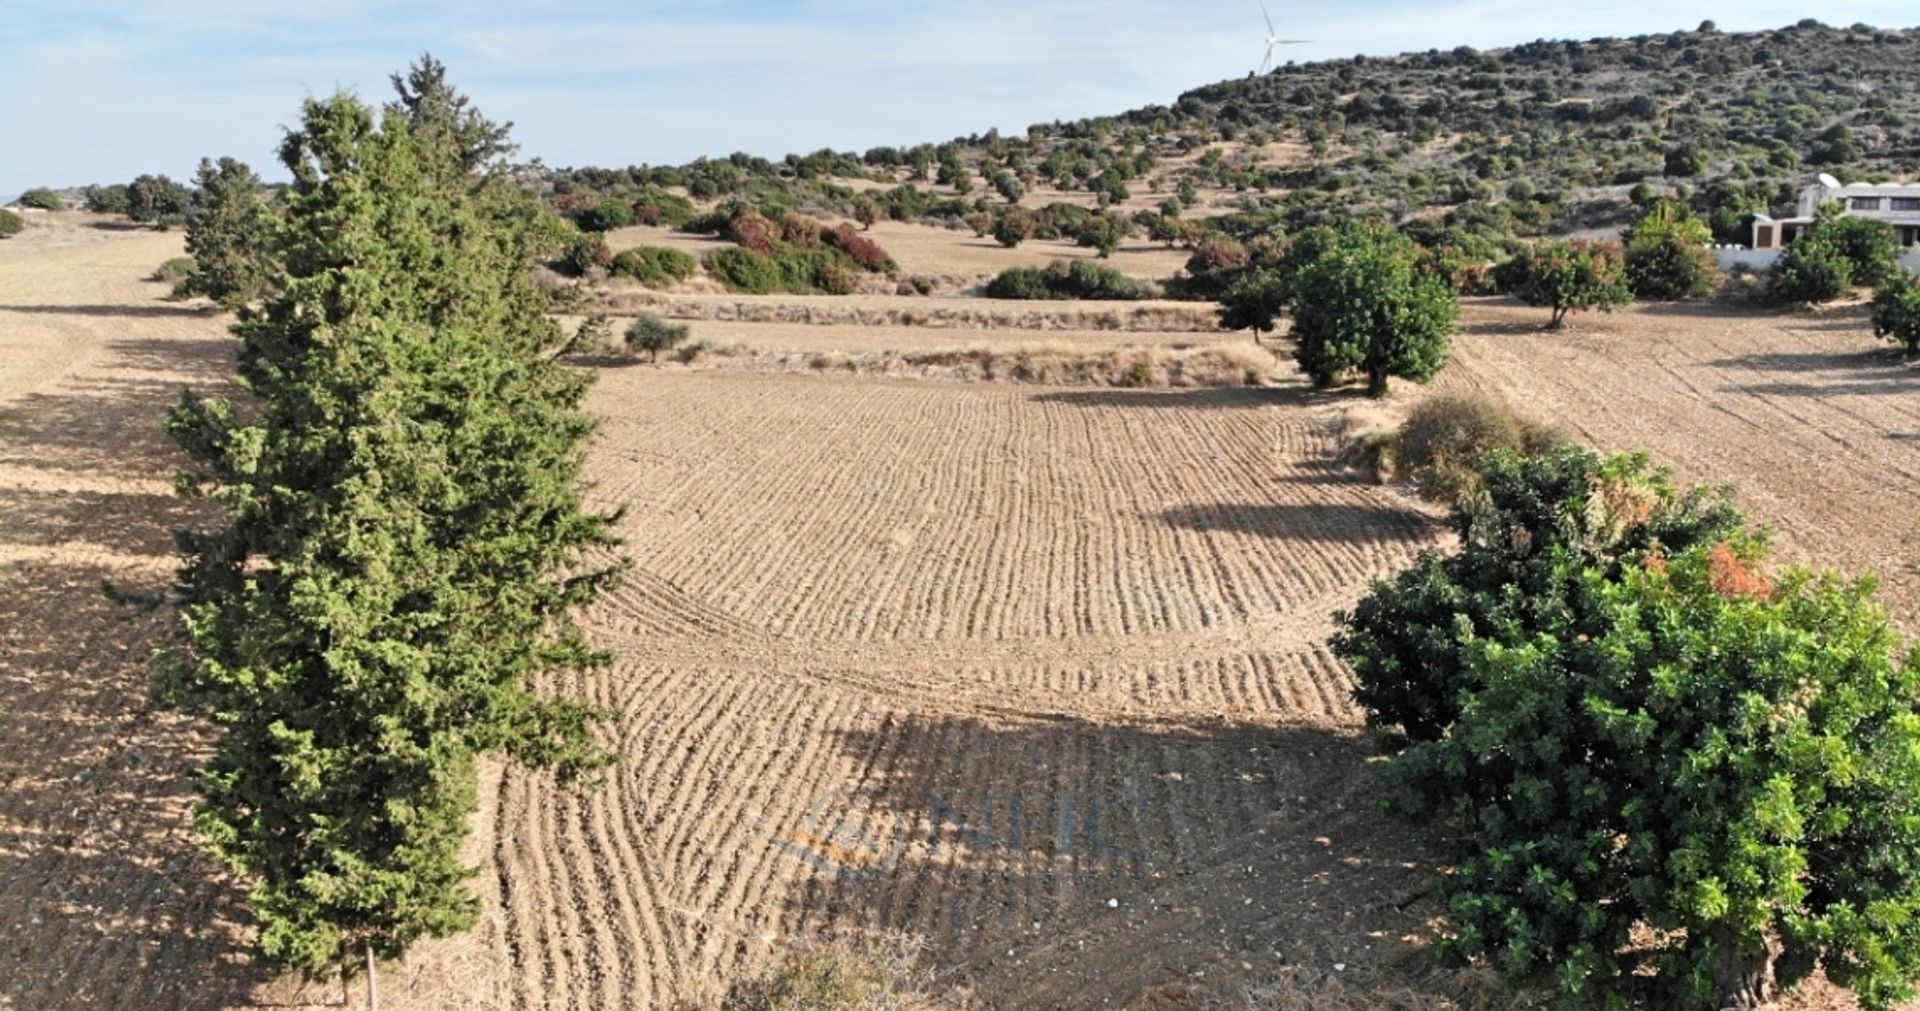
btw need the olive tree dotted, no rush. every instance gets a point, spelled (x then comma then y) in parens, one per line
(653, 335)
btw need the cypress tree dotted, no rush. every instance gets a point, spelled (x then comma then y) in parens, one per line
(229, 235)
(403, 541)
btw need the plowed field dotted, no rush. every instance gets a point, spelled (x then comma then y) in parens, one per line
(1037, 674)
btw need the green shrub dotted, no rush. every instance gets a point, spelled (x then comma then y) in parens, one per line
(158, 201)
(1871, 246)
(1812, 270)
(1446, 439)
(1103, 232)
(1671, 269)
(605, 216)
(10, 224)
(1896, 311)
(658, 207)
(1013, 227)
(585, 252)
(653, 266)
(743, 270)
(1667, 258)
(174, 271)
(42, 198)
(1670, 776)
(653, 335)
(1065, 279)
(107, 199)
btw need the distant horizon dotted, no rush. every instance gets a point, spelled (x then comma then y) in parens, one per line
(116, 94)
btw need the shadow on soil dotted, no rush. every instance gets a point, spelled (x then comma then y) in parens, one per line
(107, 898)
(1057, 862)
(1890, 384)
(1216, 398)
(1330, 523)
(163, 311)
(1815, 361)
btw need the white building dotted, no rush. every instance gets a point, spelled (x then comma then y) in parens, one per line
(1897, 204)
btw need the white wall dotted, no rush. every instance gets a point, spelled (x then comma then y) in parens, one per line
(1763, 259)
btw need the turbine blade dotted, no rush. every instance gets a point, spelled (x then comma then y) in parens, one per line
(1269, 17)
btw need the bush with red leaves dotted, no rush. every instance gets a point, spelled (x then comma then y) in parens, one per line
(864, 251)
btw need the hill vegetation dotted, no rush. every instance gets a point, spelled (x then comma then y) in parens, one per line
(1547, 138)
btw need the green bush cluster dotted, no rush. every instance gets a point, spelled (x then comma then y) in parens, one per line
(1667, 258)
(10, 224)
(174, 271)
(1065, 279)
(107, 199)
(42, 198)
(1814, 269)
(788, 252)
(1671, 776)
(584, 252)
(1896, 311)
(653, 266)
(799, 270)
(1833, 256)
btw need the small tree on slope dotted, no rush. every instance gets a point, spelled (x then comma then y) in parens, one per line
(1676, 778)
(403, 545)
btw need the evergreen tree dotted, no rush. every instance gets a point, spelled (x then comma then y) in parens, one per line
(229, 235)
(403, 543)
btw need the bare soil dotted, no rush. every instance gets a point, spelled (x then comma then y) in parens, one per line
(1036, 673)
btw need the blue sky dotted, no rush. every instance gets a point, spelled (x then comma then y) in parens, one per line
(100, 91)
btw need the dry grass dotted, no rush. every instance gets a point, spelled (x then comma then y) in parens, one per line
(1300, 988)
(1042, 364)
(849, 972)
(1444, 439)
(885, 310)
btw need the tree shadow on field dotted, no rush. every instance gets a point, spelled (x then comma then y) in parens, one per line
(1316, 522)
(165, 311)
(105, 895)
(1509, 328)
(1815, 361)
(1061, 862)
(1221, 398)
(1892, 385)
(1705, 308)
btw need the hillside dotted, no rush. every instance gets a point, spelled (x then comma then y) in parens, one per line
(1544, 138)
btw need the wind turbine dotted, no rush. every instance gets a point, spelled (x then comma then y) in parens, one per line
(1274, 41)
